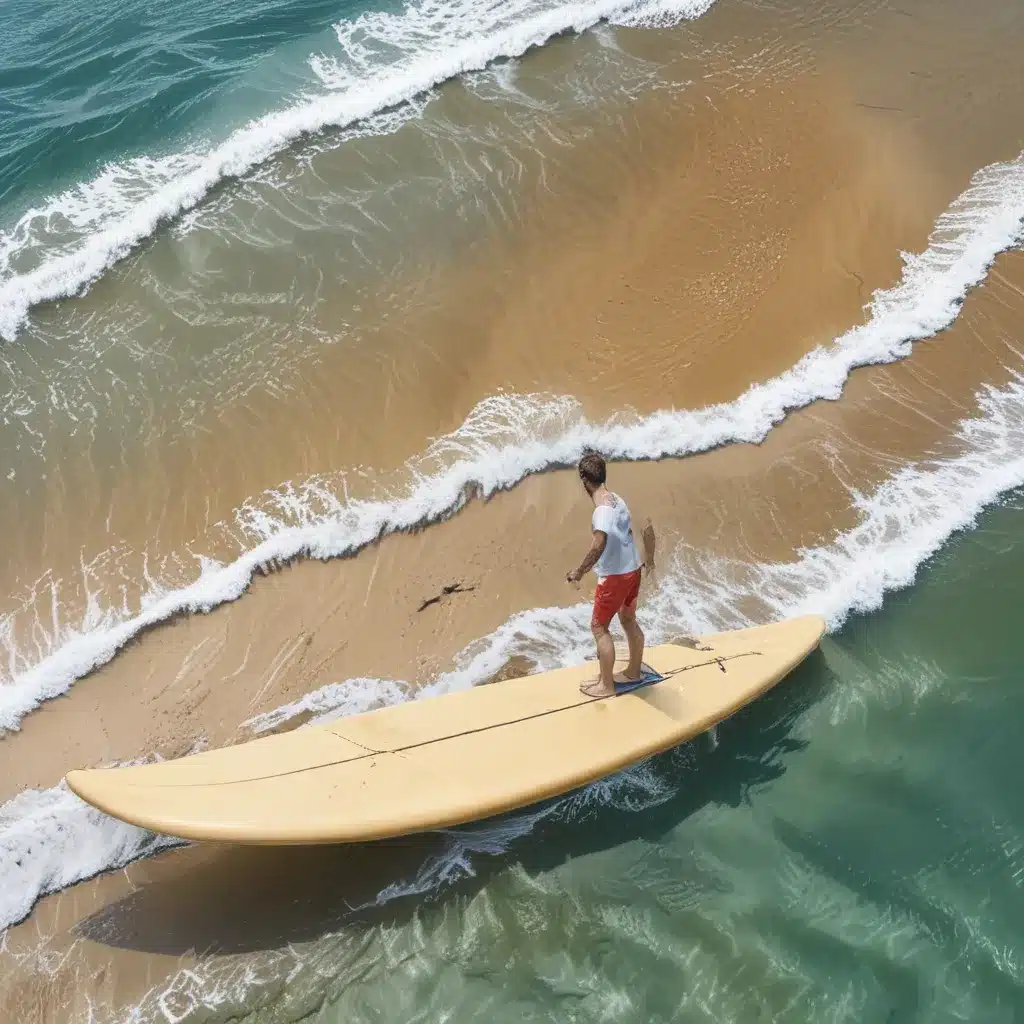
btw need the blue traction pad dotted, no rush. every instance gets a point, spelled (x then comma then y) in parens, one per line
(649, 676)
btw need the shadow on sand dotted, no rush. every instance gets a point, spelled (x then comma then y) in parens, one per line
(221, 900)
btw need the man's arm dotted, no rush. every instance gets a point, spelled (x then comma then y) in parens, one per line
(648, 539)
(596, 548)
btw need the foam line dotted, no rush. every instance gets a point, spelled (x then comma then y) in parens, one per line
(49, 840)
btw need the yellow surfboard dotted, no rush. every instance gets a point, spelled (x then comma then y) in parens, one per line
(447, 760)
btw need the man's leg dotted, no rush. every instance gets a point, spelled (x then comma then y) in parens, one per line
(605, 658)
(600, 619)
(635, 638)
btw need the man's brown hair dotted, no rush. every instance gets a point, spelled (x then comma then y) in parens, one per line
(592, 469)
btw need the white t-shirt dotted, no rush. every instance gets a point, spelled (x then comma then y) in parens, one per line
(620, 554)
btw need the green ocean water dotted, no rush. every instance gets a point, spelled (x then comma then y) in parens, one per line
(849, 848)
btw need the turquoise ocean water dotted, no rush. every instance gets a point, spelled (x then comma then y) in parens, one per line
(138, 79)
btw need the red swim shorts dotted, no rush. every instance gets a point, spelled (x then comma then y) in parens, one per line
(613, 594)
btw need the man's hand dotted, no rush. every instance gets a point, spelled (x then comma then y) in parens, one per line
(572, 577)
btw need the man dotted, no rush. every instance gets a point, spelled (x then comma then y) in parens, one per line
(613, 556)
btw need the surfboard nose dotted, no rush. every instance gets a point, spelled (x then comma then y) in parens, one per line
(815, 625)
(80, 782)
(74, 779)
(798, 636)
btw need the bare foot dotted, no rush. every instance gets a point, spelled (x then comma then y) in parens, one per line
(623, 680)
(597, 690)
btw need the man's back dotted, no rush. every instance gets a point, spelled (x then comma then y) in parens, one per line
(620, 554)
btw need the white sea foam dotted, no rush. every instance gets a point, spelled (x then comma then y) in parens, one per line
(385, 60)
(508, 437)
(50, 839)
(336, 700)
(901, 525)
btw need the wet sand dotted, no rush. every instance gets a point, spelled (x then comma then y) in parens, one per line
(755, 226)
